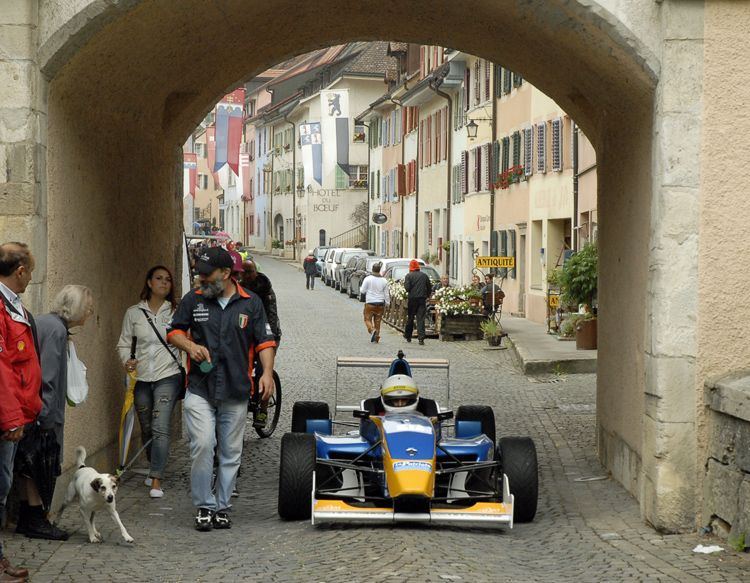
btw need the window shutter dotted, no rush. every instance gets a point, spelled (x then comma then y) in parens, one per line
(541, 147)
(516, 148)
(517, 80)
(438, 134)
(528, 150)
(464, 172)
(445, 133)
(486, 155)
(372, 185)
(506, 153)
(512, 252)
(503, 251)
(495, 160)
(428, 141)
(557, 137)
(378, 183)
(507, 81)
(493, 244)
(467, 88)
(487, 80)
(421, 143)
(392, 185)
(477, 82)
(421, 61)
(498, 80)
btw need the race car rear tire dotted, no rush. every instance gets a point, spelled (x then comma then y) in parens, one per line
(519, 463)
(482, 413)
(298, 454)
(304, 410)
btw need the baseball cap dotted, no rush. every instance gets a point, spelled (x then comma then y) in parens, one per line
(212, 259)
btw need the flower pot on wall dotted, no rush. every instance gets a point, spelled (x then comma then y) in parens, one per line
(586, 334)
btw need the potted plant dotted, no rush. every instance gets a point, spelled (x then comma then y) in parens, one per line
(493, 332)
(579, 281)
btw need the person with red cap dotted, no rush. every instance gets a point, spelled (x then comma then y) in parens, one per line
(418, 286)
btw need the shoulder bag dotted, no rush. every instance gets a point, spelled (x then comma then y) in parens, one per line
(183, 373)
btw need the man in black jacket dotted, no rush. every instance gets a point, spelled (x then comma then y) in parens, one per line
(418, 286)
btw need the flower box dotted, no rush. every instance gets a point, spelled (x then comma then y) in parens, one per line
(463, 326)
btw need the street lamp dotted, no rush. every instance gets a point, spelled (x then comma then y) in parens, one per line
(471, 129)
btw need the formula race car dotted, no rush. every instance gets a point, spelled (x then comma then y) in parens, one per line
(405, 461)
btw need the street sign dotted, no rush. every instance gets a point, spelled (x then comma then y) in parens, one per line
(554, 300)
(496, 262)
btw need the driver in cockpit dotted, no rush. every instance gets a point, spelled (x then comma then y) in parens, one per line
(399, 394)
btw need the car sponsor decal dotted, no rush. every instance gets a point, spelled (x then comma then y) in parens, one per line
(412, 465)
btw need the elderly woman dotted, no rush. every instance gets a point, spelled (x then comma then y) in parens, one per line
(70, 308)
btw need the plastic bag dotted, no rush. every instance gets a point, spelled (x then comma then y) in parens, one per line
(78, 387)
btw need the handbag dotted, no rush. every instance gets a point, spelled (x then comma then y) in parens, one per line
(78, 387)
(183, 372)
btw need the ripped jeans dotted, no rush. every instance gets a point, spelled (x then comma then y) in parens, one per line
(154, 403)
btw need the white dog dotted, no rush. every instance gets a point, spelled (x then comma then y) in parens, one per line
(94, 492)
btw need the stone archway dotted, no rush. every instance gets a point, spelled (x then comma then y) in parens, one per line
(123, 95)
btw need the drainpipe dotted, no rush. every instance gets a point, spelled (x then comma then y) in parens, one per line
(449, 160)
(294, 189)
(492, 145)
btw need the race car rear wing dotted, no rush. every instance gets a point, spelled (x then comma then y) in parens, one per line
(366, 362)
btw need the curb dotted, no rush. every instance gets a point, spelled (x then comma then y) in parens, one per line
(531, 366)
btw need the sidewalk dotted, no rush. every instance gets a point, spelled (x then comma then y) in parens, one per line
(539, 352)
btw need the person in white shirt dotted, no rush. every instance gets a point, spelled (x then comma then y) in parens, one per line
(377, 298)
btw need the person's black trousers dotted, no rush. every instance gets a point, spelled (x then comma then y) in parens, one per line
(416, 307)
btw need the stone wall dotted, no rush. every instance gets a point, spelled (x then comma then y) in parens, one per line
(726, 485)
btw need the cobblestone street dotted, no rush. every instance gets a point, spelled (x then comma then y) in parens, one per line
(587, 527)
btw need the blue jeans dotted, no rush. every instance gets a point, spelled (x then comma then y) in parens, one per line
(309, 281)
(154, 403)
(206, 421)
(7, 453)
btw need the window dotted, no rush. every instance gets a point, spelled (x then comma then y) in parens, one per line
(251, 108)
(541, 147)
(557, 138)
(359, 133)
(203, 181)
(528, 151)
(358, 176)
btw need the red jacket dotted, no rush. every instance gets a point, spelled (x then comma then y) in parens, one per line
(20, 375)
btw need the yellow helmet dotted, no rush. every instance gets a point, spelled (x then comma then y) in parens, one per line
(399, 394)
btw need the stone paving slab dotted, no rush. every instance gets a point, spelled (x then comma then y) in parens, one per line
(588, 529)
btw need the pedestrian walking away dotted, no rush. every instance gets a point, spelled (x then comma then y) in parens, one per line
(377, 298)
(310, 270)
(157, 368)
(227, 324)
(20, 374)
(419, 287)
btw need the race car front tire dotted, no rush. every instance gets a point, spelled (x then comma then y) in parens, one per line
(482, 413)
(298, 454)
(304, 410)
(518, 460)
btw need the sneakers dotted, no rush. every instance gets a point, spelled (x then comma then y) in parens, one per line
(156, 493)
(260, 420)
(235, 492)
(421, 342)
(373, 336)
(204, 519)
(221, 520)
(148, 481)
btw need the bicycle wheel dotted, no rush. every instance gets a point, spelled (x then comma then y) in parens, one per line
(274, 410)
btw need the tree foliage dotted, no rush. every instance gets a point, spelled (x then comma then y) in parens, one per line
(360, 214)
(579, 278)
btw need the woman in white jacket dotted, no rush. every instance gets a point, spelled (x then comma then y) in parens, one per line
(156, 364)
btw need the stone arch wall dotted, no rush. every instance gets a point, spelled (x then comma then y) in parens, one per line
(122, 96)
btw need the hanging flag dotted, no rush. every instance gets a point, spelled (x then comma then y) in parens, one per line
(190, 165)
(245, 176)
(229, 130)
(211, 152)
(312, 152)
(335, 125)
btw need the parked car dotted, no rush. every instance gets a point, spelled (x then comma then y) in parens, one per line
(326, 264)
(345, 272)
(339, 264)
(320, 253)
(398, 261)
(361, 271)
(398, 271)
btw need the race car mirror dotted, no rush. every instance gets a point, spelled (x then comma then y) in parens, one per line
(361, 414)
(445, 415)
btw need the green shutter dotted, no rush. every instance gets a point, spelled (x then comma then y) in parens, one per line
(503, 251)
(516, 148)
(506, 153)
(342, 180)
(379, 181)
(512, 251)
(507, 80)
(494, 248)
(372, 185)
(498, 80)
(517, 80)
(495, 160)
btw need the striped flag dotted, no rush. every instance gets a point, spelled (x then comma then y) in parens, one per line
(211, 152)
(312, 152)
(190, 165)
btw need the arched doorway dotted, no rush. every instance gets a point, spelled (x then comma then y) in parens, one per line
(124, 94)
